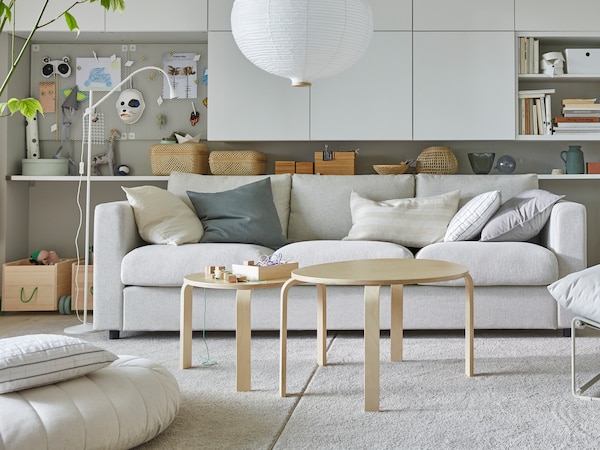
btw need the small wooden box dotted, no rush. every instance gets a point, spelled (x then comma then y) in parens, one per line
(189, 157)
(255, 273)
(285, 167)
(593, 167)
(305, 167)
(341, 164)
(78, 286)
(31, 287)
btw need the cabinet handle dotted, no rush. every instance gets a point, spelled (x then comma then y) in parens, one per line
(30, 297)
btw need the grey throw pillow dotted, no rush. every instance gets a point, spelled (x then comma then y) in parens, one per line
(521, 217)
(246, 214)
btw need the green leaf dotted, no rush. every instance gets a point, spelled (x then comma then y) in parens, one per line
(5, 11)
(115, 5)
(71, 23)
(27, 106)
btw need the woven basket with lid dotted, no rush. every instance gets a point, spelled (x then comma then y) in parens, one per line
(437, 160)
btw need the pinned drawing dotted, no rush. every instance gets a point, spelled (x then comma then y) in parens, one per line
(98, 74)
(182, 69)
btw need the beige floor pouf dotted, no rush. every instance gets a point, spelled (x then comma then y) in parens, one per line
(120, 406)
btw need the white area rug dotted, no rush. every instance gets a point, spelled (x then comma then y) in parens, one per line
(520, 397)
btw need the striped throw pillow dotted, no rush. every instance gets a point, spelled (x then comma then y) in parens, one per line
(472, 217)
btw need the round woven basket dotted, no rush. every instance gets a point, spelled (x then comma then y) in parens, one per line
(390, 169)
(437, 160)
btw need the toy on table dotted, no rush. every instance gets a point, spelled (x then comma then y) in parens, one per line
(44, 257)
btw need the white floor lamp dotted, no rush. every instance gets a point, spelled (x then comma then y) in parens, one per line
(85, 326)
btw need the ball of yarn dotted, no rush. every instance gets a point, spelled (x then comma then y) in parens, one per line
(123, 169)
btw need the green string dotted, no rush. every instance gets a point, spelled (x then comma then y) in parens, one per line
(206, 361)
(30, 297)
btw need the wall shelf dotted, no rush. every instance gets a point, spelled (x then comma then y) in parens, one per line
(94, 178)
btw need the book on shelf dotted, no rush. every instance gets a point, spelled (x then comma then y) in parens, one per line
(576, 119)
(577, 125)
(535, 112)
(532, 93)
(582, 113)
(529, 55)
(578, 101)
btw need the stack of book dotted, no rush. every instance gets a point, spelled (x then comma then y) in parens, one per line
(535, 108)
(579, 115)
(529, 48)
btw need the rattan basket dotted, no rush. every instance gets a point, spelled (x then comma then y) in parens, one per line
(237, 162)
(437, 160)
(190, 157)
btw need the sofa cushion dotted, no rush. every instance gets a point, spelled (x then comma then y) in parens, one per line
(39, 359)
(320, 205)
(497, 263)
(245, 214)
(180, 183)
(579, 292)
(414, 222)
(308, 253)
(139, 267)
(521, 217)
(468, 222)
(161, 217)
(471, 185)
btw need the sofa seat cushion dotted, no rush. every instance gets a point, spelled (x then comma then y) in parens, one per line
(166, 265)
(308, 253)
(497, 263)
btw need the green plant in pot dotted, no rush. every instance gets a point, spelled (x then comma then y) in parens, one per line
(29, 106)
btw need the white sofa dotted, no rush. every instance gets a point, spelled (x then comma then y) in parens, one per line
(137, 285)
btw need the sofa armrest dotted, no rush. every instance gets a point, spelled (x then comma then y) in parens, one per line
(115, 235)
(566, 235)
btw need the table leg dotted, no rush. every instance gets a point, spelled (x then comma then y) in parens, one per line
(321, 325)
(283, 336)
(469, 327)
(185, 327)
(397, 321)
(372, 348)
(243, 337)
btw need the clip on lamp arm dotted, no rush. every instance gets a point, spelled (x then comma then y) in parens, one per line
(86, 327)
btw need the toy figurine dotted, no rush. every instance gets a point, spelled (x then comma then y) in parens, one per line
(44, 257)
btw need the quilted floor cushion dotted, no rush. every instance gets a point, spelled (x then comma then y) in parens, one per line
(118, 407)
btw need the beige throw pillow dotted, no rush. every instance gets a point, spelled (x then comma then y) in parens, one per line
(412, 222)
(163, 218)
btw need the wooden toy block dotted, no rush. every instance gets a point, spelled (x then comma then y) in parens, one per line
(230, 278)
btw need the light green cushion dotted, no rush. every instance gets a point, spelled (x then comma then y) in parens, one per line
(161, 217)
(245, 214)
(412, 222)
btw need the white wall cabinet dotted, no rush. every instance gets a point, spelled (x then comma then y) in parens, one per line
(464, 86)
(154, 16)
(557, 15)
(90, 17)
(247, 103)
(463, 15)
(370, 101)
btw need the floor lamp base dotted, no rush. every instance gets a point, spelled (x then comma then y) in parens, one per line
(80, 329)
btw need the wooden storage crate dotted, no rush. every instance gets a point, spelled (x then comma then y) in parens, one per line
(189, 157)
(255, 273)
(237, 162)
(305, 167)
(31, 287)
(285, 167)
(341, 164)
(78, 286)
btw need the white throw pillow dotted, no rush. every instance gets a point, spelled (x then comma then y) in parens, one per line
(163, 218)
(472, 217)
(412, 222)
(579, 292)
(40, 359)
(521, 217)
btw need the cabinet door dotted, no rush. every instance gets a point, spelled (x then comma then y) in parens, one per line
(219, 15)
(392, 15)
(155, 16)
(464, 85)
(247, 103)
(463, 15)
(90, 17)
(557, 15)
(370, 101)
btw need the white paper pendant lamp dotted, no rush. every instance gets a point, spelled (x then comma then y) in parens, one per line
(302, 39)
